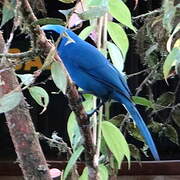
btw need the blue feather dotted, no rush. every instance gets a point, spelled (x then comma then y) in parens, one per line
(91, 71)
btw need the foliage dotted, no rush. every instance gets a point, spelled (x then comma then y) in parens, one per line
(10, 101)
(159, 48)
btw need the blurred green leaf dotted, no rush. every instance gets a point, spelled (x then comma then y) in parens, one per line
(103, 172)
(177, 65)
(142, 101)
(104, 148)
(72, 161)
(175, 113)
(144, 149)
(117, 120)
(93, 13)
(156, 127)
(88, 103)
(171, 133)
(119, 37)
(84, 175)
(8, 11)
(165, 99)
(40, 96)
(169, 14)
(86, 31)
(121, 12)
(27, 79)
(58, 76)
(116, 56)
(134, 132)
(48, 20)
(115, 142)
(74, 132)
(95, 3)
(169, 42)
(10, 101)
(67, 1)
(135, 153)
(172, 57)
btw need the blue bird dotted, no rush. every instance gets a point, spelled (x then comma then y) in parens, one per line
(91, 71)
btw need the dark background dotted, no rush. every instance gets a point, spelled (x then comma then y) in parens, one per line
(55, 118)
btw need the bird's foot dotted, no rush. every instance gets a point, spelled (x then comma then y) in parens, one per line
(96, 110)
(91, 113)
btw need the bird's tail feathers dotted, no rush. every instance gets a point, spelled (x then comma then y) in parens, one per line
(130, 107)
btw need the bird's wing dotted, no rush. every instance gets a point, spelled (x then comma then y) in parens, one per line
(112, 79)
(92, 62)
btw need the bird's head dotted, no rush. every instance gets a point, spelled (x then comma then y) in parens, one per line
(53, 31)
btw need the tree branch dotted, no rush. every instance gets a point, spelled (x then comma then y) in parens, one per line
(25, 140)
(72, 93)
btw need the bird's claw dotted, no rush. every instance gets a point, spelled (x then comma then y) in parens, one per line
(91, 113)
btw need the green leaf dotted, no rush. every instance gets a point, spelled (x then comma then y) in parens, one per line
(121, 12)
(93, 13)
(156, 127)
(67, 1)
(135, 153)
(118, 120)
(27, 79)
(142, 101)
(74, 132)
(8, 11)
(165, 99)
(175, 113)
(73, 160)
(119, 37)
(40, 96)
(10, 101)
(103, 172)
(93, 3)
(169, 14)
(134, 132)
(171, 133)
(58, 76)
(116, 56)
(144, 149)
(169, 42)
(86, 31)
(115, 142)
(71, 125)
(88, 103)
(172, 57)
(84, 175)
(44, 21)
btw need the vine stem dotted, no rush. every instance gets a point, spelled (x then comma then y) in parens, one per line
(101, 43)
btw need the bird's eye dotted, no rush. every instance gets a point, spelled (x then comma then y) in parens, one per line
(52, 35)
(48, 34)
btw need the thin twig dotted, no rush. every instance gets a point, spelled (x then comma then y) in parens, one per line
(24, 55)
(139, 89)
(60, 144)
(138, 73)
(148, 14)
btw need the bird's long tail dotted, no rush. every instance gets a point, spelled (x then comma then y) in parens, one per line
(140, 124)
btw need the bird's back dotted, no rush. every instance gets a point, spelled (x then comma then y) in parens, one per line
(90, 69)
